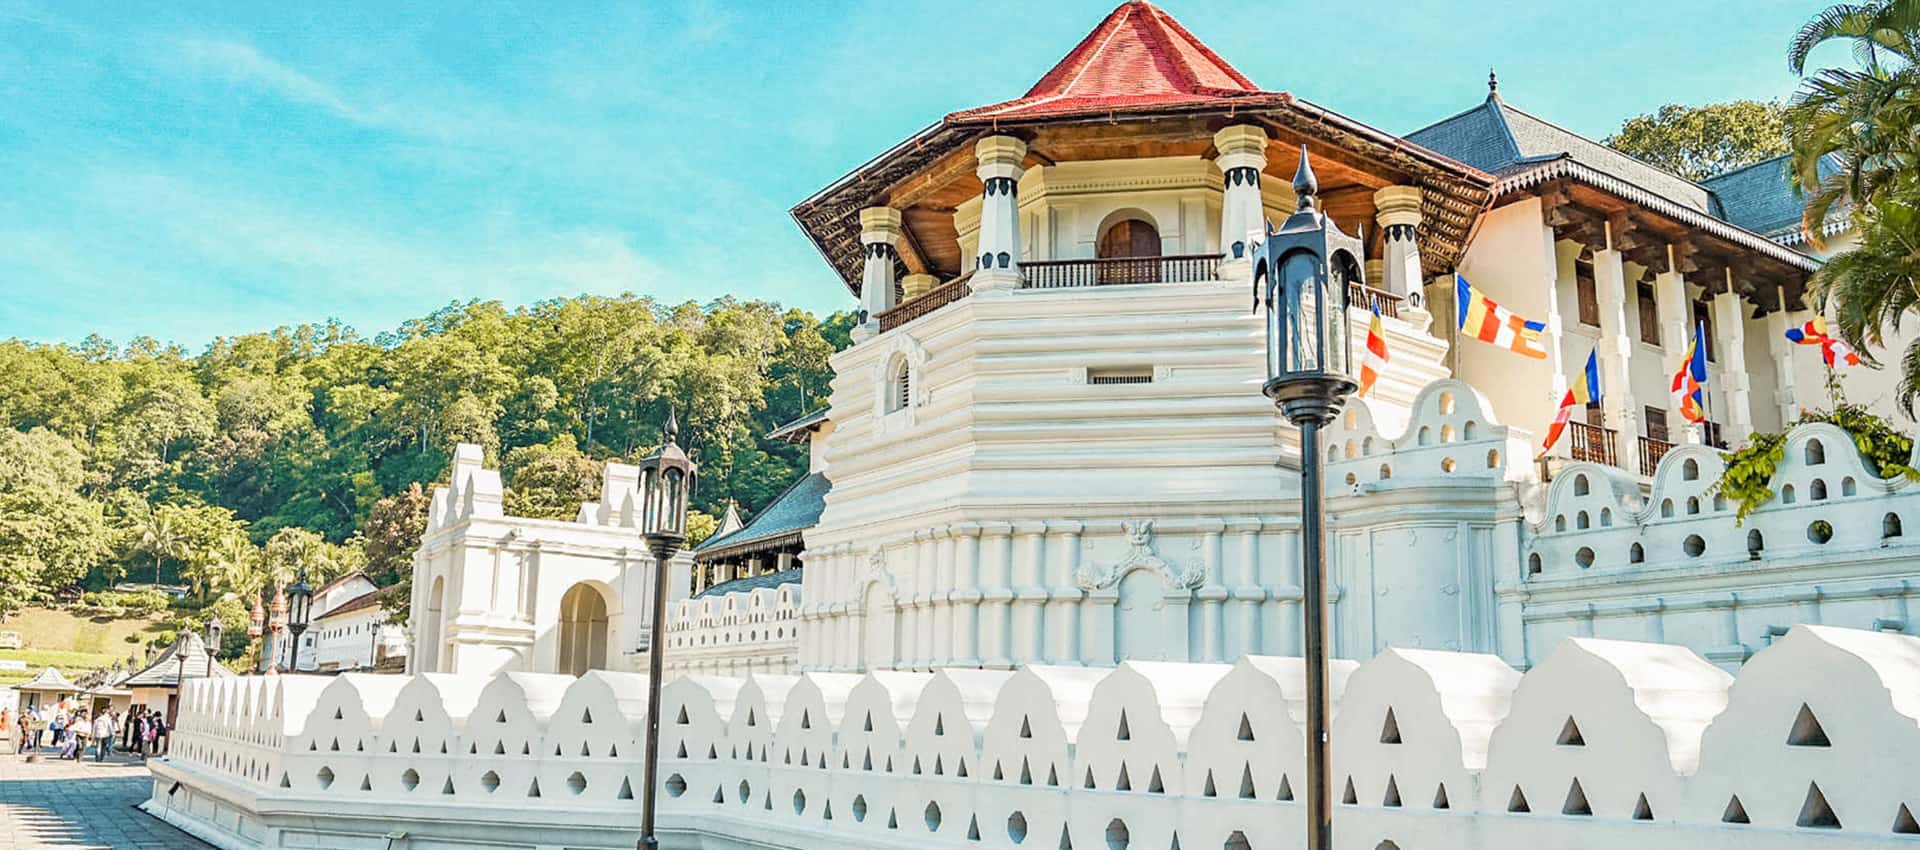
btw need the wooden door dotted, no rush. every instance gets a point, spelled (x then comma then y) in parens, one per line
(1130, 238)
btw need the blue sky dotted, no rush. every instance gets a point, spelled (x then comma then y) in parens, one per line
(186, 170)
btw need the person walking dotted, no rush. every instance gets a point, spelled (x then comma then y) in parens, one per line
(104, 727)
(158, 736)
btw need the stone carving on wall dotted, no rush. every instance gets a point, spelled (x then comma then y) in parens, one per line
(1140, 556)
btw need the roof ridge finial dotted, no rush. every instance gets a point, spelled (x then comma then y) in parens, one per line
(1493, 84)
(1305, 185)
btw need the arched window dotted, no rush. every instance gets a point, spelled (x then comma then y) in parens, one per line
(900, 386)
(1129, 237)
(583, 631)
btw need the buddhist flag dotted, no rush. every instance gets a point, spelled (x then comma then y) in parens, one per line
(1832, 350)
(1484, 320)
(1585, 391)
(1374, 361)
(1688, 393)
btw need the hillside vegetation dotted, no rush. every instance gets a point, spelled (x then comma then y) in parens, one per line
(311, 448)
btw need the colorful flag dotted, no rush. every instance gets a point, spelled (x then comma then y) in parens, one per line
(1832, 350)
(1688, 393)
(1374, 361)
(1585, 391)
(1487, 321)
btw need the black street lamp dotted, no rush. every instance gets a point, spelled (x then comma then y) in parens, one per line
(1302, 272)
(299, 604)
(215, 631)
(666, 482)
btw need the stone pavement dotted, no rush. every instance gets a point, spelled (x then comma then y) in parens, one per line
(63, 805)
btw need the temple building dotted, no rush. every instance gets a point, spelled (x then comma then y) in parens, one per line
(1047, 443)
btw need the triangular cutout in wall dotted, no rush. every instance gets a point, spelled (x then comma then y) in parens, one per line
(939, 725)
(1026, 729)
(1735, 812)
(1570, 735)
(1066, 838)
(1026, 772)
(1154, 785)
(1286, 790)
(1208, 790)
(1246, 728)
(1807, 731)
(1390, 729)
(1125, 733)
(1348, 797)
(534, 789)
(1125, 782)
(1576, 803)
(626, 789)
(1642, 810)
(1904, 823)
(1392, 798)
(1518, 801)
(1440, 797)
(1815, 813)
(973, 828)
(447, 787)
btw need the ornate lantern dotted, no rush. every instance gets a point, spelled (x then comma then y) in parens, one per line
(1303, 272)
(215, 631)
(666, 483)
(299, 605)
(256, 621)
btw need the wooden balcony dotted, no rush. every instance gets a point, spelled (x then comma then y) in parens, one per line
(1591, 443)
(1651, 451)
(1114, 271)
(933, 299)
(1367, 298)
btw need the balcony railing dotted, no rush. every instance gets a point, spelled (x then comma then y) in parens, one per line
(929, 301)
(1591, 443)
(1651, 451)
(1366, 297)
(1112, 271)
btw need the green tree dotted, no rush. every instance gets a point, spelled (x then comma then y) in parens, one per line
(39, 458)
(160, 535)
(1698, 142)
(1853, 131)
(48, 541)
(549, 480)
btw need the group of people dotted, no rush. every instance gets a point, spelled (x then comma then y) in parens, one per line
(141, 731)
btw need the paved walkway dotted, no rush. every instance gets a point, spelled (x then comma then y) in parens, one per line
(63, 805)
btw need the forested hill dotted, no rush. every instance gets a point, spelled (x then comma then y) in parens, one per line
(301, 447)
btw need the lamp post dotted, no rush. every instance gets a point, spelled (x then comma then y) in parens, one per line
(666, 481)
(1302, 272)
(299, 601)
(256, 630)
(215, 631)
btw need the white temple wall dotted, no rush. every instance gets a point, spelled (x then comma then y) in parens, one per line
(1606, 743)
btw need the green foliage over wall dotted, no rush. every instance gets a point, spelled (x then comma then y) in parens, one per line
(1749, 475)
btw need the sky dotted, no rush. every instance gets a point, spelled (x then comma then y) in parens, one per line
(188, 170)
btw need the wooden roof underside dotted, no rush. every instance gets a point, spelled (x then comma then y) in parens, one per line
(1582, 213)
(929, 176)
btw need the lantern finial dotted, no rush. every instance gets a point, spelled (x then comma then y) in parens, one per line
(1305, 185)
(672, 428)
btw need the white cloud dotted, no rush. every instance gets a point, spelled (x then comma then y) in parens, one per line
(239, 62)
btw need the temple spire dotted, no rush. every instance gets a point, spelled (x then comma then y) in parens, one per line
(1493, 85)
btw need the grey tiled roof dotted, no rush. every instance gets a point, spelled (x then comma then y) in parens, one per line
(187, 655)
(742, 585)
(1494, 136)
(1760, 197)
(797, 429)
(794, 511)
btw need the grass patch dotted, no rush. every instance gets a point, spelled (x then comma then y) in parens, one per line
(73, 642)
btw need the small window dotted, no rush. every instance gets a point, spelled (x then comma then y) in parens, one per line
(900, 389)
(1586, 291)
(1649, 314)
(1703, 317)
(1656, 419)
(1120, 375)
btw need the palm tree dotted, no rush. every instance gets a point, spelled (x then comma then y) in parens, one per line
(161, 537)
(1851, 129)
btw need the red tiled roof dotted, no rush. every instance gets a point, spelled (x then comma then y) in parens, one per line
(1139, 56)
(364, 600)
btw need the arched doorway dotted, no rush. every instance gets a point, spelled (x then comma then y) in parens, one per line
(1130, 247)
(433, 644)
(583, 631)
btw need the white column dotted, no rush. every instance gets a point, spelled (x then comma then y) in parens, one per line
(1063, 602)
(1784, 394)
(1397, 209)
(1029, 592)
(915, 285)
(966, 596)
(1556, 329)
(1243, 615)
(1243, 155)
(999, 169)
(1676, 328)
(879, 239)
(1730, 330)
(996, 637)
(1616, 347)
